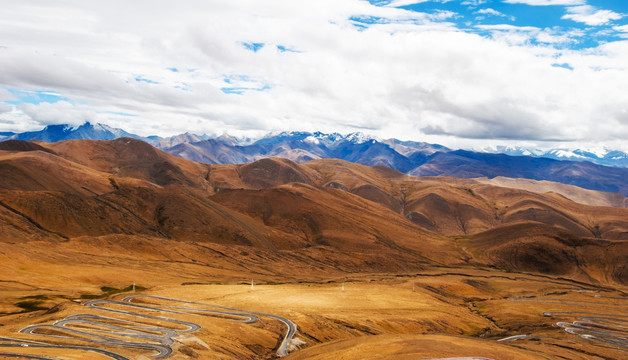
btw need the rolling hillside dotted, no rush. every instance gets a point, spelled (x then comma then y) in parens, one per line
(331, 214)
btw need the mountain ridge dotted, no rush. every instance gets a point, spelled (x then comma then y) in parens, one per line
(411, 157)
(604, 156)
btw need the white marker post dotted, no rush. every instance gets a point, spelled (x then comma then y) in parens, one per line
(133, 285)
(343, 287)
(252, 285)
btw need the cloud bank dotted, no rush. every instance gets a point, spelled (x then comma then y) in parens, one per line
(248, 67)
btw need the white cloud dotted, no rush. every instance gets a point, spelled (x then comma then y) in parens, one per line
(489, 11)
(549, 36)
(590, 15)
(442, 15)
(5, 108)
(400, 3)
(411, 76)
(623, 30)
(522, 35)
(60, 112)
(6, 95)
(546, 2)
(508, 27)
(473, 2)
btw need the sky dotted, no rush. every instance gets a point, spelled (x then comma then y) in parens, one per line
(462, 73)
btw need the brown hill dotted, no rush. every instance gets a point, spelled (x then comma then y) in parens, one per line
(19, 145)
(452, 206)
(328, 214)
(105, 188)
(126, 157)
(338, 220)
(271, 172)
(41, 171)
(573, 193)
(531, 247)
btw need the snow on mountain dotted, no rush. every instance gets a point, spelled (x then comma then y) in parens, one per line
(512, 150)
(593, 152)
(70, 127)
(318, 144)
(408, 148)
(176, 140)
(225, 139)
(359, 138)
(312, 139)
(600, 155)
(563, 153)
(87, 131)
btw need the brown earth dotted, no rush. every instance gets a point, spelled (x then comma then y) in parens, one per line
(573, 193)
(439, 313)
(126, 187)
(79, 215)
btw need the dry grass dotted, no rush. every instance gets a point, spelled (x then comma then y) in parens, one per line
(443, 312)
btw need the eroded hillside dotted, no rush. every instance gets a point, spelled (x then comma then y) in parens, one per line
(388, 220)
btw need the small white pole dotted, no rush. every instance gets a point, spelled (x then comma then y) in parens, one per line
(343, 287)
(252, 286)
(133, 285)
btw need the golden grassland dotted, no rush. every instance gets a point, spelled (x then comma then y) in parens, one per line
(441, 312)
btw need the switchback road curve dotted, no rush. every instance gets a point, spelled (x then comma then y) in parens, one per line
(283, 347)
(602, 322)
(120, 332)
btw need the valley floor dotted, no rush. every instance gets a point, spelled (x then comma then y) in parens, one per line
(441, 312)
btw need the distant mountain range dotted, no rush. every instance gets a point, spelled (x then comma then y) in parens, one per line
(414, 158)
(599, 156)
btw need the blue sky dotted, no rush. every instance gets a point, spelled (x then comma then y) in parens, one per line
(463, 73)
(34, 97)
(583, 23)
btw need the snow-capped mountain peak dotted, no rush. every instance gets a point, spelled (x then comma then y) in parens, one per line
(600, 156)
(312, 139)
(565, 153)
(359, 138)
(70, 127)
(512, 150)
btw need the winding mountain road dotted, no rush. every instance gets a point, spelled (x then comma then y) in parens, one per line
(605, 323)
(252, 315)
(120, 332)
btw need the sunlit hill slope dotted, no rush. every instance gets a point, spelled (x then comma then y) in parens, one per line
(122, 204)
